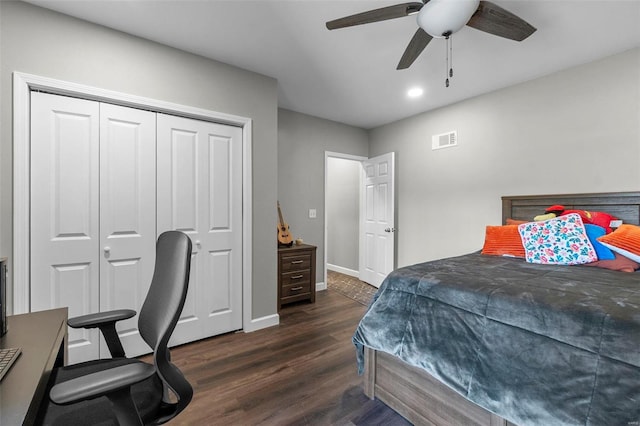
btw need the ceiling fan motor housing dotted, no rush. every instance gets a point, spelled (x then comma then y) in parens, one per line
(441, 18)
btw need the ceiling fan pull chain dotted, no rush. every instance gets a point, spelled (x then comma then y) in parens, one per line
(446, 50)
(451, 56)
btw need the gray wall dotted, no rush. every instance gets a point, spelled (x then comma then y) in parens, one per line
(343, 212)
(302, 142)
(41, 42)
(574, 131)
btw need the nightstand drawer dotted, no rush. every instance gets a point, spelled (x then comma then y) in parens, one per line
(295, 262)
(296, 278)
(296, 289)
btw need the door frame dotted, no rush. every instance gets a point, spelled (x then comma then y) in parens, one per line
(23, 84)
(327, 155)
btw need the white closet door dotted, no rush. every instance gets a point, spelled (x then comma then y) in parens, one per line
(64, 212)
(200, 193)
(93, 211)
(127, 215)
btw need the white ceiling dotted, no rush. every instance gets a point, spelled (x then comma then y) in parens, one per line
(349, 75)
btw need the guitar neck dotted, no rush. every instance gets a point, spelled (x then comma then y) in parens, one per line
(280, 215)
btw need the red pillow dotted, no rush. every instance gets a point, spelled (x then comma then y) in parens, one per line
(620, 263)
(503, 240)
(594, 218)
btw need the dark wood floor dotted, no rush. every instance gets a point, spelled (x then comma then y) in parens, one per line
(302, 372)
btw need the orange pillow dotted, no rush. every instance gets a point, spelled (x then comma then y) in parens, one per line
(503, 240)
(624, 240)
(515, 221)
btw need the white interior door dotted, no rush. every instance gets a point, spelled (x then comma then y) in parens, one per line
(200, 194)
(127, 216)
(377, 236)
(64, 212)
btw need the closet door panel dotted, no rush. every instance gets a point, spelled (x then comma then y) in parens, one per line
(201, 196)
(64, 211)
(188, 328)
(178, 166)
(183, 177)
(223, 234)
(220, 182)
(127, 215)
(219, 300)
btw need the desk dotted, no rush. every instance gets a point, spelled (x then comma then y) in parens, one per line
(43, 339)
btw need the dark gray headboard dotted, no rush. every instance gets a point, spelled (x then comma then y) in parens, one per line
(624, 205)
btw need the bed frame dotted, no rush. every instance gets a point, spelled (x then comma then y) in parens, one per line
(424, 400)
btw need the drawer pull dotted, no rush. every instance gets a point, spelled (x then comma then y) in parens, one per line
(296, 277)
(296, 288)
(295, 262)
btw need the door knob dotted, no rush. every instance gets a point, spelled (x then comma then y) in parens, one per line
(107, 250)
(390, 230)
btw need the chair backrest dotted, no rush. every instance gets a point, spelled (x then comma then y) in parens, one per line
(161, 310)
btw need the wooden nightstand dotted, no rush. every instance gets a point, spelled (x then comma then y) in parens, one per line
(296, 274)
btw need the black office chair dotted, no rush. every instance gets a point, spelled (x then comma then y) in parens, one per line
(123, 391)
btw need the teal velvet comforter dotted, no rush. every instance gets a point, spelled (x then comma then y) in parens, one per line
(535, 344)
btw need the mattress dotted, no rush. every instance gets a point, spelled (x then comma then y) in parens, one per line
(535, 344)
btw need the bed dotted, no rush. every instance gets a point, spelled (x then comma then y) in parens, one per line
(565, 349)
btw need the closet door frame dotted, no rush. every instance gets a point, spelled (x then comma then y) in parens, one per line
(23, 84)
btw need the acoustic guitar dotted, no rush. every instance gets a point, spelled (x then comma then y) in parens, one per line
(284, 237)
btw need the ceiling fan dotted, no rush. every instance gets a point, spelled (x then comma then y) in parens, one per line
(442, 18)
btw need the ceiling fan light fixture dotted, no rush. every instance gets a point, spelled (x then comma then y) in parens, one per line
(441, 18)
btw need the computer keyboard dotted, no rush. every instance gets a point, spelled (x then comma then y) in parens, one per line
(7, 357)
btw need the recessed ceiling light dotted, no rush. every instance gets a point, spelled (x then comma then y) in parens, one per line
(415, 92)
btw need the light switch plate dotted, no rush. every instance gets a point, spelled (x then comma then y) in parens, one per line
(312, 213)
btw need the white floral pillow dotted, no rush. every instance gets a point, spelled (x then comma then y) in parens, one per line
(560, 241)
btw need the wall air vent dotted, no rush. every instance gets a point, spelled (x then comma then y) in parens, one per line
(444, 140)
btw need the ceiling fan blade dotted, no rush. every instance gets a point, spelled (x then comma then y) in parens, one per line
(417, 44)
(382, 14)
(495, 20)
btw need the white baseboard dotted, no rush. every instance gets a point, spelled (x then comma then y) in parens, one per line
(264, 322)
(342, 270)
(321, 286)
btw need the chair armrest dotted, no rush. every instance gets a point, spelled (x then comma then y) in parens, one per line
(99, 318)
(106, 322)
(101, 383)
